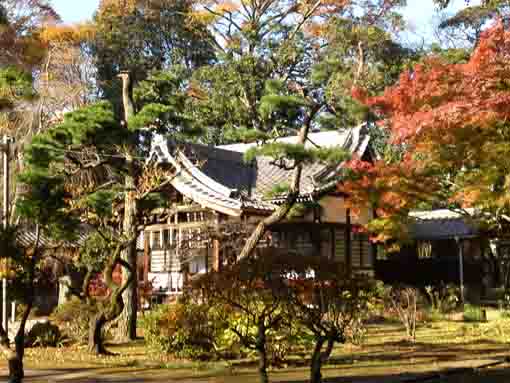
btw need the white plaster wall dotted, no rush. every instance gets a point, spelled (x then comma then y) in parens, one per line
(333, 211)
(198, 265)
(166, 281)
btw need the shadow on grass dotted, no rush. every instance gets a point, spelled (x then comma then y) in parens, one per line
(401, 351)
(461, 375)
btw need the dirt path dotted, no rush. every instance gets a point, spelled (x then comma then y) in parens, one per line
(457, 372)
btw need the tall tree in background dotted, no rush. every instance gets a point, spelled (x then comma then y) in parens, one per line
(463, 29)
(141, 36)
(21, 21)
(132, 39)
(21, 52)
(273, 53)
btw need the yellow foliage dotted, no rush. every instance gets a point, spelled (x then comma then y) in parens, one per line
(201, 17)
(74, 33)
(117, 7)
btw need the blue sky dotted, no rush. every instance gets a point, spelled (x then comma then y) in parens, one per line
(418, 13)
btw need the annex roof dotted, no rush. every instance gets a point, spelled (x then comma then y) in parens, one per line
(442, 224)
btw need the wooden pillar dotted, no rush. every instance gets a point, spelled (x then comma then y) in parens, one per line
(460, 246)
(333, 245)
(146, 258)
(216, 256)
(348, 244)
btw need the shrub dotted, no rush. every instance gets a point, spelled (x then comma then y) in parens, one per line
(289, 336)
(44, 334)
(73, 317)
(432, 315)
(198, 332)
(443, 298)
(186, 330)
(473, 313)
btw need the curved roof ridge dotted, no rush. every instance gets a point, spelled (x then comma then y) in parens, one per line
(202, 177)
(195, 184)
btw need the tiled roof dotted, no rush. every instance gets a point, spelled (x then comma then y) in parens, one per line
(440, 214)
(267, 174)
(26, 237)
(442, 224)
(219, 178)
(327, 139)
(210, 180)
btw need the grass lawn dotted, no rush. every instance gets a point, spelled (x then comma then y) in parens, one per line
(385, 357)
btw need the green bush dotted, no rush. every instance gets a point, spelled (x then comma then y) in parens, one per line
(473, 313)
(289, 336)
(444, 298)
(44, 334)
(196, 331)
(73, 318)
(432, 315)
(185, 330)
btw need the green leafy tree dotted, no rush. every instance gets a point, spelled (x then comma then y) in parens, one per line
(463, 29)
(102, 164)
(142, 36)
(40, 209)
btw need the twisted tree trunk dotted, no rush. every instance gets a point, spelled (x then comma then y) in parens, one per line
(96, 343)
(116, 303)
(15, 357)
(126, 329)
(319, 357)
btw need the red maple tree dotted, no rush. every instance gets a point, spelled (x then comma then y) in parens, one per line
(452, 120)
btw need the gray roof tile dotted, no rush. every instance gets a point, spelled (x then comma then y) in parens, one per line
(221, 177)
(442, 224)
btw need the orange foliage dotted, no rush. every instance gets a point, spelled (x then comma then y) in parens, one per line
(452, 119)
(439, 96)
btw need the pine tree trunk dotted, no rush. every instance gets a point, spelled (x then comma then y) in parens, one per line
(316, 362)
(15, 357)
(126, 330)
(329, 348)
(14, 362)
(16, 370)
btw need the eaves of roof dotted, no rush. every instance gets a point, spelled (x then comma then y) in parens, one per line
(442, 224)
(191, 182)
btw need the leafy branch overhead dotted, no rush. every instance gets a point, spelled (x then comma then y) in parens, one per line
(289, 155)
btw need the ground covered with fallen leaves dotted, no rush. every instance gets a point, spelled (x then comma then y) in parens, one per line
(445, 351)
